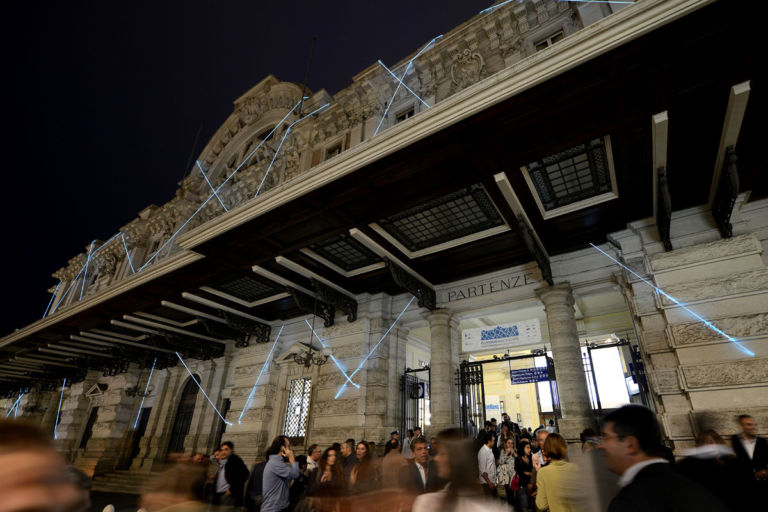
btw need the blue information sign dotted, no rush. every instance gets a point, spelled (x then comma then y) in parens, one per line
(528, 375)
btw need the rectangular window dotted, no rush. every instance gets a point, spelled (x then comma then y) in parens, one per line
(549, 41)
(332, 152)
(406, 114)
(298, 409)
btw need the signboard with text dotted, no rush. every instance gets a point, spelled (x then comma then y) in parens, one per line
(503, 336)
(528, 375)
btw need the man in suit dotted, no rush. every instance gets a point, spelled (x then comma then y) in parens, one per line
(420, 476)
(631, 444)
(229, 480)
(750, 448)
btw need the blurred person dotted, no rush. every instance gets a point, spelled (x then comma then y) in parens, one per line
(406, 448)
(558, 482)
(495, 426)
(632, 445)
(364, 476)
(420, 475)
(372, 451)
(589, 440)
(199, 458)
(455, 456)
(314, 452)
(504, 434)
(432, 446)
(394, 440)
(297, 489)
(391, 466)
(505, 471)
(551, 427)
(349, 460)
(714, 465)
(33, 477)
(486, 463)
(253, 491)
(417, 433)
(751, 448)
(327, 480)
(538, 456)
(281, 468)
(230, 478)
(524, 471)
(179, 489)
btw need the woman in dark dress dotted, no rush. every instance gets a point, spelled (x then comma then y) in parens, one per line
(364, 477)
(524, 469)
(327, 479)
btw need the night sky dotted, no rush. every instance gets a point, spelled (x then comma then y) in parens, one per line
(102, 102)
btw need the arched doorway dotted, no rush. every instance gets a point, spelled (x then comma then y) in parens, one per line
(183, 416)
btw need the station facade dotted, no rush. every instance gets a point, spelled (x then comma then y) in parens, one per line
(398, 253)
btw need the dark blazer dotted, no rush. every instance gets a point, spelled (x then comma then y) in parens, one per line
(759, 458)
(236, 473)
(410, 479)
(658, 488)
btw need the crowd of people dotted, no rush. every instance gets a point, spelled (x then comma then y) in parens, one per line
(625, 467)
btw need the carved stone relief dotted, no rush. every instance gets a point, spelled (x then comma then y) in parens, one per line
(468, 68)
(743, 282)
(737, 326)
(726, 373)
(705, 252)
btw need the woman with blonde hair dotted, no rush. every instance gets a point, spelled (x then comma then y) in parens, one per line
(558, 482)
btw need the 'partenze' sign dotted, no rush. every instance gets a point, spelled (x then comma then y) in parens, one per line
(527, 332)
(490, 286)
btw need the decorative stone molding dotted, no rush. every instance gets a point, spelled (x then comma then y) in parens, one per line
(706, 252)
(695, 333)
(468, 68)
(726, 373)
(723, 421)
(664, 381)
(743, 282)
(336, 407)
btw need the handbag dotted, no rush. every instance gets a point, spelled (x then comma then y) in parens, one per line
(514, 484)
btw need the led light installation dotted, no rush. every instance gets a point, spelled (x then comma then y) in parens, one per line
(494, 7)
(85, 276)
(703, 320)
(143, 396)
(53, 295)
(403, 84)
(210, 185)
(58, 413)
(256, 384)
(201, 389)
(362, 363)
(333, 358)
(15, 405)
(127, 255)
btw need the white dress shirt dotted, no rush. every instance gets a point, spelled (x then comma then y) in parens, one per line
(486, 464)
(749, 446)
(422, 473)
(632, 471)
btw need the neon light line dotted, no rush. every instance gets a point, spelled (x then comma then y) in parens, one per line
(406, 87)
(333, 358)
(15, 404)
(145, 393)
(494, 7)
(360, 366)
(287, 131)
(210, 185)
(127, 255)
(58, 413)
(53, 296)
(85, 276)
(106, 243)
(706, 322)
(18, 404)
(256, 384)
(68, 288)
(407, 68)
(201, 389)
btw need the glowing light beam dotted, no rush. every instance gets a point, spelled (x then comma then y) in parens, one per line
(333, 358)
(15, 405)
(494, 7)
(85, 276)
(211, 185)
(53, 296)
(403, 84)
(703, 320)
(360, 366)
(256, 384)
(68, 289)
(407, 68)
(58, 413)
(127, 254)
(135, 423)
(201, 389)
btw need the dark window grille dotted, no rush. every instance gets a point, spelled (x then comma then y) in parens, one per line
(248, 289)
(345, 252)
(402, 116)
(549, 41)
(297, 411)
(446, 218)
(572, 175)
(335, 150)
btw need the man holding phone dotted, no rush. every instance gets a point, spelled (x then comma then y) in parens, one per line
(281, 468)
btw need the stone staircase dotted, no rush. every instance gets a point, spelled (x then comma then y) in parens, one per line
(127, 482)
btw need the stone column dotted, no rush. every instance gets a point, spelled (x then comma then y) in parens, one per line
(444, 359)
(569, 367)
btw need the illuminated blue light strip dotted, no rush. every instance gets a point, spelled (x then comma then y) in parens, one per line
(15, 404)
(127, 254)
(287, 131)
(360, 366)
(333, 358)
(706, 322)
(407, 68)
(68, 288)
(85, 276)
(256, 384)
(403, 84)
(201, 389)
(210, 185)
(494, 7)
(135, 423)
(218, 188)
(53, 296)
(58, 413)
